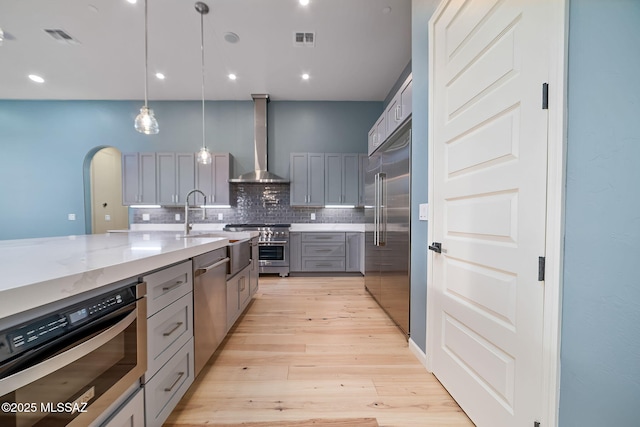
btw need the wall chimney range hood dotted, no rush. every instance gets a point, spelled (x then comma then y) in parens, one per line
(261, 175)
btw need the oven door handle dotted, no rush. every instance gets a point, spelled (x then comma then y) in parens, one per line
(26, 376)
(274, 242)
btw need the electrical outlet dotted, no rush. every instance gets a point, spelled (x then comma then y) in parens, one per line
(220, 216)
(177, 217)
(107, 217)
(313, 216)
(71, 217)
(424, 212)
(146, 217)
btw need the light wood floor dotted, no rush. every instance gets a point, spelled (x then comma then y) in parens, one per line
(309, 348)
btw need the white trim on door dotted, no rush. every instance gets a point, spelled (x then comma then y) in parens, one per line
(556, 176)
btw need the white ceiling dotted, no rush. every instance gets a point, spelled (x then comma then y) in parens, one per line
(360, 49)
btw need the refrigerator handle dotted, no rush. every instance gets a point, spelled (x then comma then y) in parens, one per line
(375, 209)
(382, 209)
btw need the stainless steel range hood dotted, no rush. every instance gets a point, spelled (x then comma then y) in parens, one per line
(261, 174)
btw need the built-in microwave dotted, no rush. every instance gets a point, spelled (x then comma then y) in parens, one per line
(67, 366)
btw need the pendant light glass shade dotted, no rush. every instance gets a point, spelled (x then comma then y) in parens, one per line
(145, 121)
(204, 156)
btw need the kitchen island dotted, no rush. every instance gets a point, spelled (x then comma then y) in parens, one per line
(40, 271)
(85, 296)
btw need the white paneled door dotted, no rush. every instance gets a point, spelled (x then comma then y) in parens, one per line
(490, 59)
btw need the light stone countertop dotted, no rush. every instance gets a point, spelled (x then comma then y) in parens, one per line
(39, 271)
(297, 227)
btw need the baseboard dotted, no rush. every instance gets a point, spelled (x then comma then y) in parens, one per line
(417, 351)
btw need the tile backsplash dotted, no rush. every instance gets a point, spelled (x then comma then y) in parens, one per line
(253, 203)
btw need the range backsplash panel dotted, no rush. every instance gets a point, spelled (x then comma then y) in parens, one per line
(253, 203)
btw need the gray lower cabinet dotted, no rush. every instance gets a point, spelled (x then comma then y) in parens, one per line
(355, 251)
(307, 179)
(138, 178)
(324, 251)
(131, 414)
(175, 177)
(238, 295)
(213, 179)
(295, 251)
(341, 183)
(170, 362)
(254, 273)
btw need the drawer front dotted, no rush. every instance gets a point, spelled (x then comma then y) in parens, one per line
(323, 237)
(323, 249)
(166, 286)
(165, 390)
(328, 264)
(167, 331)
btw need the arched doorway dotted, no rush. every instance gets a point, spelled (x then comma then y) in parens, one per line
(103, 191)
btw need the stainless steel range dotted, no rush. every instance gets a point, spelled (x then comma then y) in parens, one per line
(273, 246)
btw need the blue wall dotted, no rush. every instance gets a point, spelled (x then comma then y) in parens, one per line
(421, 11)
(41, 160)
(600, 355)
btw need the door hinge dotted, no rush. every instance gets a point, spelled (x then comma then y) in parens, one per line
(536, 424)
(545, 96)
(541, 269)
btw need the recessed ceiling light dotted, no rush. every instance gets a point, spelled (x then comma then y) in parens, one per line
(305, 76)
(160, 76)
(36, 79)
(232, 76)
(132, 1)
(386, 10)
(231, 37)
(304, 2)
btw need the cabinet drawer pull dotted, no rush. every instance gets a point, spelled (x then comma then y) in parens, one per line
(180, 375)
(175, 328)
(172, 287)
(324, 265)
(324, 250)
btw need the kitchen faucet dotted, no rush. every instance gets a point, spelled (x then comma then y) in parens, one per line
(187, 226)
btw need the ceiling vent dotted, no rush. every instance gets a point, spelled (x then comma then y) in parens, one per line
(61, 36)
(301, 39)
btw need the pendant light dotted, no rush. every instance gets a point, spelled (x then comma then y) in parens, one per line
(145, 121)
(204, 156)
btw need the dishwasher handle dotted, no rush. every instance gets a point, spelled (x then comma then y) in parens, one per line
(200, 271)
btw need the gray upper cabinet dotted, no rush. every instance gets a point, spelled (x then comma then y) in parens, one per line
(307, 179)
(363, 160)
(397, 111)
(342, 179)
(213, 179)
(400, 106)
(138, 178)
(175, 177)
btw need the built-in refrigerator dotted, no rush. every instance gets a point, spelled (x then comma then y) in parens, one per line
(387, 228)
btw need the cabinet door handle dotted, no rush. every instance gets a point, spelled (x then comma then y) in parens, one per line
(180, 375)
(172, 287)
(175, 328)
(242, 284)
(398, 112)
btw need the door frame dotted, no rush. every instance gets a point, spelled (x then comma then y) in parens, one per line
(556, 177)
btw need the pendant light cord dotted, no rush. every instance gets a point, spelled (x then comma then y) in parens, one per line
(202, 53)
(146, 73)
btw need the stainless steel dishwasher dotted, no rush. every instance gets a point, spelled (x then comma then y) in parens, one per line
(209, 304)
